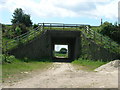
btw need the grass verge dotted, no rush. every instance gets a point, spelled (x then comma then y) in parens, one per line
(18, 69)
(89, 65)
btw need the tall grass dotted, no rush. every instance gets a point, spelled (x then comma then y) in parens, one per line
(88, 64)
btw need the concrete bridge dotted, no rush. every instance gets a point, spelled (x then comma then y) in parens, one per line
(43, 46)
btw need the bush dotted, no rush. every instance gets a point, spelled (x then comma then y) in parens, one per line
(106, 28)
(10, 59)
(7, 59)
(35, 25)
(22, 27)
(7, 31)
(18, 30)
(26, 59)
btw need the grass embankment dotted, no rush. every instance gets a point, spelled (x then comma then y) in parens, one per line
(18, 69)
(21, 39)
(89, 65)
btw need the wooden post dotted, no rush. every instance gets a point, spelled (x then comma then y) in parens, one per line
(34, 33)
(63, 26)
(43, 26)
(50, 26)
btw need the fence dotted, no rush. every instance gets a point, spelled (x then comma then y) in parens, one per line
(101, 40)
(24, 38)
(61, 26)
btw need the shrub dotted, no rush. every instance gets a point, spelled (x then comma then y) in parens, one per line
(18, 30)
(7, 59)
(10, 59)
(35, 25)
(26, 59)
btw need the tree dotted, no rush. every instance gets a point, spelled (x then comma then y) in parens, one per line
(20, 17)
(26, 20)
(63, 50)
(113, 31)
(106, 28)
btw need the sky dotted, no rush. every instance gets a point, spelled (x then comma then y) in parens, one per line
(62, 11)
(58, 47)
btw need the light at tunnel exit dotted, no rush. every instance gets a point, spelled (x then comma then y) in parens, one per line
(58, 47)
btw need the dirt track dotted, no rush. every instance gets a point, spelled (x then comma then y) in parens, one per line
(64, 75)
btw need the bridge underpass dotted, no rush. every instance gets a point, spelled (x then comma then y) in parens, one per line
(43, 46)
(70, 38)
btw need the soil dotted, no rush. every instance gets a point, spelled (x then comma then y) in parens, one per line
(66, 75)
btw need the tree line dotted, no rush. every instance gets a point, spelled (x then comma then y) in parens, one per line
(113, 31)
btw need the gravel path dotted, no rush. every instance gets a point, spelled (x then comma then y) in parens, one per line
(64, 75)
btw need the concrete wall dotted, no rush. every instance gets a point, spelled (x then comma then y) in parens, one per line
(35, 49)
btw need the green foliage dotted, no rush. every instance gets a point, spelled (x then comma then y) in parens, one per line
(35, 25)
(26, 20)
(63, 50)
(7, 59)
(23, 39)
(7, 31)
(106, 28)
(18, 30)
(20, 17)
(20, 21)
(60, 55)
(23, 28)
(113, 31)
(89, 64)
(26, 59)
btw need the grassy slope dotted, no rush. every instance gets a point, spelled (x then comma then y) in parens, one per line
(15, 69)
(88, 64)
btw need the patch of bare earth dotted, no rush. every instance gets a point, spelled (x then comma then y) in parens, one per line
(65, 75)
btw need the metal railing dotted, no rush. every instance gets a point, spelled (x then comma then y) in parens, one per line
(24, 38)
(60, 26)
(101, 40)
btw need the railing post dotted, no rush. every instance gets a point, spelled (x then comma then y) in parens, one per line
(63, 26)
(76, 26)
(34, 34)
(94, 35)
(43, 26)
(50, 26)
